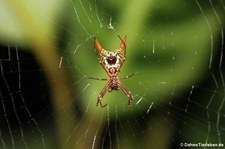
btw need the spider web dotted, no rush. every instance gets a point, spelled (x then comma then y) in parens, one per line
(175, 51)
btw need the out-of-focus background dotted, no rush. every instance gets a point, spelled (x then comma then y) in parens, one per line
(174, 48)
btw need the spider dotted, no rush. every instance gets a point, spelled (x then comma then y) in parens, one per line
(112, 62)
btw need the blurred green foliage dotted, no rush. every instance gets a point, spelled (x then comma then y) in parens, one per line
(169, 43)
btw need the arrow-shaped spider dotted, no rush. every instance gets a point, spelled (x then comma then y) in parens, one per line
(112, 62)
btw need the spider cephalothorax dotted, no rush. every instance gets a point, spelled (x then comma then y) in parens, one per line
(112, 62)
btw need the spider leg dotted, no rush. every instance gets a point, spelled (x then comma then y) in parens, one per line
(126, 91)
(101, 79)
(101, 95)
(125, 77)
